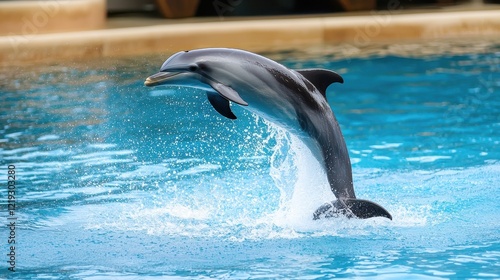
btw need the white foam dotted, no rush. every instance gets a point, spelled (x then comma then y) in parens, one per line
(14, 135)
(48, 137)
(187, 212)
(386, 146)
(424, 159)
(200, 168)
(381, 158)
(355, 160)
(18, 151)
(102, 145)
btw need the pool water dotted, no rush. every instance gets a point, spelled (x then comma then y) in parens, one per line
(118, 181)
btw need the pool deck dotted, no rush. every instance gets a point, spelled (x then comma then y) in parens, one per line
(132, 36)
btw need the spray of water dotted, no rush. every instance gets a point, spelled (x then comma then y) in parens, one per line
(299, 178)
(226, 204)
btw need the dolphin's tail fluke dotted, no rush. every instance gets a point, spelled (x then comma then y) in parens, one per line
(351, 208)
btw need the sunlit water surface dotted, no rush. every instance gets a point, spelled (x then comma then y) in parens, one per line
(116, 180)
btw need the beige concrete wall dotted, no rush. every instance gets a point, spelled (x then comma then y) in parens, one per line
(253, 35)
(38, 17)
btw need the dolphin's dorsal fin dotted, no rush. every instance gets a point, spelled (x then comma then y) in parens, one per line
(227, 92)
(321, 78)
(221, 105)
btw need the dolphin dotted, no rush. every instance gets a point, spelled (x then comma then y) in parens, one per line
(292, 99)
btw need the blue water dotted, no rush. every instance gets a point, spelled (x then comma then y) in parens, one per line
(118, 181)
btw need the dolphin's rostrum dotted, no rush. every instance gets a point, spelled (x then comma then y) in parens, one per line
(292, 99)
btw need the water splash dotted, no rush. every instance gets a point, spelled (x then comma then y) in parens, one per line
(237, 205)
(300, 179)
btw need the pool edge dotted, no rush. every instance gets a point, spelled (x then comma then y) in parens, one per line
(254, 35)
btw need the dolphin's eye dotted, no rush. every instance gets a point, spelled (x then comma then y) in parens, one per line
(202, 66)
(193, 68)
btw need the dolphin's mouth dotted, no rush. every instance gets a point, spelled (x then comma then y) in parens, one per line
(159, 78)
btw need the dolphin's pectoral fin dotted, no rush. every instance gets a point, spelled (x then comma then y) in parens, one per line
(228, 93)
(351, 208)
(221, 105)
(321, 78)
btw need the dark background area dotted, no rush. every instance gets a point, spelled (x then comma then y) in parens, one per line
(211, 8)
